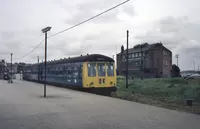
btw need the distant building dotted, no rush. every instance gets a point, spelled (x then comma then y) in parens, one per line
(14, 67)
(2, 69)
(146, 60)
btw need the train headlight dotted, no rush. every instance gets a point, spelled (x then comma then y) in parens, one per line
(91, 83)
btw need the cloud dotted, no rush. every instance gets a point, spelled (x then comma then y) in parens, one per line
(23, 30)
(22, 22)
(180, 35)
(87, 9)
(7, 35)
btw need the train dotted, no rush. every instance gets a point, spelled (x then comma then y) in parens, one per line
(93, 73)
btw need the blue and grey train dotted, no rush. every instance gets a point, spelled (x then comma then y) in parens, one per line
(89, 72)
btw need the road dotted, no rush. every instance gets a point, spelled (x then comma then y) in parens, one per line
(22, 106)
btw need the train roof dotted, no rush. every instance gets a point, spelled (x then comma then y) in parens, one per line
(85, 58)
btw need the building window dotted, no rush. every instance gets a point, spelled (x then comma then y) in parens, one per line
(129, 55)
(136, 54)
(133, 55)
(139, 54)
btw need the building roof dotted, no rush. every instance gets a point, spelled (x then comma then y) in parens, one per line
(145, 47)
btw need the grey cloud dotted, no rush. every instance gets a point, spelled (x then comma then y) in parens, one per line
(7, 35)
(88, 9)
(178, 34)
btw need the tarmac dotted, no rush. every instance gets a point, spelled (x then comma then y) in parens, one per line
(22, 106)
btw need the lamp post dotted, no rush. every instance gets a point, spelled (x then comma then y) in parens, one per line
(45, 30)
(11, 67)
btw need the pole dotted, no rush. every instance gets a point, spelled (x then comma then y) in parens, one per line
(177, 61)
(45, 30)
(45, 64)
(177, 56)
(127, 61)
(38, 67)
(141, 74)
(194, 64)
(11, 68)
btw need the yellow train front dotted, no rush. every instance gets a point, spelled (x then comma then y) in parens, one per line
(100, 75)
(96, 73)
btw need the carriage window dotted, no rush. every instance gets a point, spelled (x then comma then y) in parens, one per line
(110, 69)
(101, 69)
(91, 69)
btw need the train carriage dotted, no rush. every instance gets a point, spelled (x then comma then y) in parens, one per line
(90, 72)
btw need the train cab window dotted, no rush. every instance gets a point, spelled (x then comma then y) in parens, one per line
(110, 69)
(101, 69)
(91, 69)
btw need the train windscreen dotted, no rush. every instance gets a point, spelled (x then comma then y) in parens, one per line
(110, 69)
(101, 69)
(91, 69)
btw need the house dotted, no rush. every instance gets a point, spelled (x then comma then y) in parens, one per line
(145, 60)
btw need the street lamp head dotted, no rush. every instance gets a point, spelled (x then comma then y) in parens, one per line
(10, 53)
(46, 29)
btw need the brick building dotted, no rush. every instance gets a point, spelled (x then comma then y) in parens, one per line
(145, 60)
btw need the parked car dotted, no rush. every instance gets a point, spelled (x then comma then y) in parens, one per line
(5, 76)
(192, 76)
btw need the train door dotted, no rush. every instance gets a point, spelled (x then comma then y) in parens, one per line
(110, 74)
(89, 74)
(101, 74)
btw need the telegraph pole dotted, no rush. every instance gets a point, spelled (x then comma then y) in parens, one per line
(38, 66)
(45, 30)
(11, 68)
(127, 61)
(141, 62)
(177, 56)
(194, 64)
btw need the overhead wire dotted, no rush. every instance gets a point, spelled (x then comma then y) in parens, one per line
(89, 19)
(75, 26)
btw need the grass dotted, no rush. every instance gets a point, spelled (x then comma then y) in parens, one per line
(165, 92)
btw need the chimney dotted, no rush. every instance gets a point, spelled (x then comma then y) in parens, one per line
(122, 49)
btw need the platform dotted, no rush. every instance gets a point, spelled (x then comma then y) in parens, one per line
(22, 106)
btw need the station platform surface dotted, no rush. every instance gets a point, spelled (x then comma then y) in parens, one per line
(22, 106)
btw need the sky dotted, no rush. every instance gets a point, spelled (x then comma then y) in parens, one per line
(175, 23)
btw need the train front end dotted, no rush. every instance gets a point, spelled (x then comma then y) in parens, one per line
(100, 75)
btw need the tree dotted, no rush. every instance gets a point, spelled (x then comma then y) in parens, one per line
(175, 71)
(20, 67)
